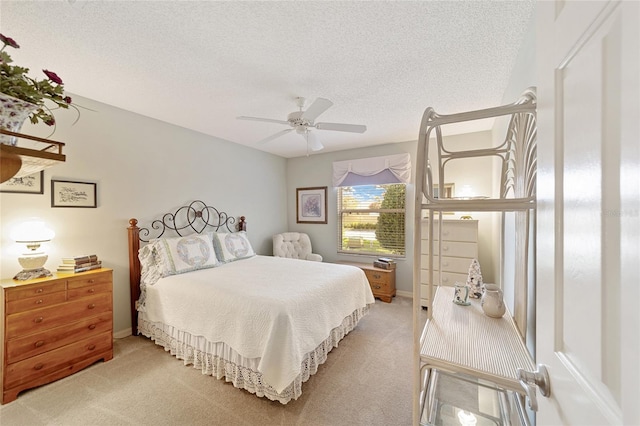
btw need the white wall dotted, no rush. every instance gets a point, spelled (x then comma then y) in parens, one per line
(143, 167)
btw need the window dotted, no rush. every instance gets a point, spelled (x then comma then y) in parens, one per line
(371, 219)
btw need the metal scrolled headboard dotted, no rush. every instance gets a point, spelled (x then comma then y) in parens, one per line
(196, 217)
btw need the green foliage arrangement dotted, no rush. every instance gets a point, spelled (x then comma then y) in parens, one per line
(390, 231)
(15, 82)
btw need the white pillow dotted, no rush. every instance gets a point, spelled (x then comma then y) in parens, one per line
(231, 246)
(184, 254)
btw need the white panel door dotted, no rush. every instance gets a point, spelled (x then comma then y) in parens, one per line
(588, 256)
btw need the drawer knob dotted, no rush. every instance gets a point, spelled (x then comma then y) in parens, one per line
(91, 281)
(38, 343)
(40, 290)
(91, 290)
(38, 366)
(377, 287)
(39, 302)
(91, 347)
(38, 320)
(92, 327)
(91, 306)
(377, 276)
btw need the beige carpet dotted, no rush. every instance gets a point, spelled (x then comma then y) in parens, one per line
(365, 381)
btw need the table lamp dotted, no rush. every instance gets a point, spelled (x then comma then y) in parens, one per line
(32, 233)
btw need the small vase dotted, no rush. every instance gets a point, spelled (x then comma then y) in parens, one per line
(13, 113)
(492, 303)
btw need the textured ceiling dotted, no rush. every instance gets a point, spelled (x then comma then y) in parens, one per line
(201, 64)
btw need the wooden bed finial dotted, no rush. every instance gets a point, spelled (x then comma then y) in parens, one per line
(242, 225)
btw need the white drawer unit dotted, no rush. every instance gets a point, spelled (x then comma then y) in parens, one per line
(459, 248)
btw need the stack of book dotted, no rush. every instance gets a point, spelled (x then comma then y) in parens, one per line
(71, 265)
(384, 263)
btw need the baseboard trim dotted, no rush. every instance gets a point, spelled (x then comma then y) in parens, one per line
(122, 333)
(403, 293)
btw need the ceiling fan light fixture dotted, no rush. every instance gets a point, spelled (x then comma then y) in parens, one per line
(304, 120)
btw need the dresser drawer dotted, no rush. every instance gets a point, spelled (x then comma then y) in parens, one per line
(34, 344)
(89, 280)
(33, 290)
(88, 290)
(449, 264)
(446, 278)
(49, 362)
(46, 318)
(41, 301)
(451, 248)
(456, 230)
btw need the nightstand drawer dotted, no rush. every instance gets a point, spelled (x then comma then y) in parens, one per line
(17, 293)
(34, 344)
(46, 318)
(378, 276)
(380, 286)
(42, 301)
(49, 362)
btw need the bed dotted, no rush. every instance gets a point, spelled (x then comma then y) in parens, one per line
(263, 323)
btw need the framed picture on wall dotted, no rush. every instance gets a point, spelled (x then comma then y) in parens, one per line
(66, 193)
(311, 205)
(30, 184)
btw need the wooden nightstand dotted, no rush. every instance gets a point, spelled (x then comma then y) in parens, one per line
(54, 327)
(382, 281)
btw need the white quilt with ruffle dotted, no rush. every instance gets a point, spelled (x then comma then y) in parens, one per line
(269, 308)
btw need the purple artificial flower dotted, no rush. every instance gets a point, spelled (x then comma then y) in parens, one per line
(9, 41)
(67, 99)
(53, 76)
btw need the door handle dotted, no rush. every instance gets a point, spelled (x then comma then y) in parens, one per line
(532, 380)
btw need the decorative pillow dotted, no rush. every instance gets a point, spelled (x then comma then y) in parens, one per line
(184, 254)
(231, 246)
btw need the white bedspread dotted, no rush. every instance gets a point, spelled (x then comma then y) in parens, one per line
(271, 308)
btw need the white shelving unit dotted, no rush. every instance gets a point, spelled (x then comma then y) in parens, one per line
(461, 340)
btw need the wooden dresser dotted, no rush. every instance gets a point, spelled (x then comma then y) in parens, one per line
(54, 327)
(382, 281)
(459, 248)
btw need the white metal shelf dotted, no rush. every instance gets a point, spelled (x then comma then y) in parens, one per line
(462, 339)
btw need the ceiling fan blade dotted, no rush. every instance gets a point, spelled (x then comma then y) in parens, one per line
(318, 106)
(272, 137)
(313, 142)
(268, 120)
(356, 128)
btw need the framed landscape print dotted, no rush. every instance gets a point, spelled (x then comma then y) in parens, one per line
(66, 193)
(31, 184)
(311, 205)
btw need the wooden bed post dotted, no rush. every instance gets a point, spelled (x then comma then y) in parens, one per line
(242, 225)
(134, 271)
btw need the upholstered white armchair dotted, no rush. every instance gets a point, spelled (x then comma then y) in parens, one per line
(294, 245)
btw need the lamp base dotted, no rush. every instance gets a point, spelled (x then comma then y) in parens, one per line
(32, 273)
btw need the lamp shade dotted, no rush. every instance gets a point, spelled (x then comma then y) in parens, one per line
(32, 231)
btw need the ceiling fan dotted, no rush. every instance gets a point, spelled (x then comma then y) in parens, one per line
(303, 121)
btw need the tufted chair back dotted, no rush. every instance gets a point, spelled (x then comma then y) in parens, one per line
(294, 245)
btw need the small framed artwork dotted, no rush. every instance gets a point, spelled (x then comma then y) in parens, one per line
(311, 205)
(30, 184)
(66, 193)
